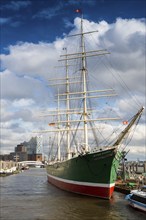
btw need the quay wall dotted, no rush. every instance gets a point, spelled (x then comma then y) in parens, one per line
(4, 165)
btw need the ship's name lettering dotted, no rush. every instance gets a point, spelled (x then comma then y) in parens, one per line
(101, 154)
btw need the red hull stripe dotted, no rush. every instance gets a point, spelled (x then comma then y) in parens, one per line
(98, 190)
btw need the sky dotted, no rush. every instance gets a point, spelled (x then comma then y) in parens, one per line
(33, 33)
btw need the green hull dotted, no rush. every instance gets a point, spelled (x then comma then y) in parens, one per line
(96, 170)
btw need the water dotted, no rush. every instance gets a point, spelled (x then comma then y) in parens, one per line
(28, 196)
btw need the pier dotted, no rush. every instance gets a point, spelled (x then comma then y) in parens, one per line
(131, 175)
(8, 167)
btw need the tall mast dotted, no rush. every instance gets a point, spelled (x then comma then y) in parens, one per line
(83, 72)
(58, 137)
(67, 109)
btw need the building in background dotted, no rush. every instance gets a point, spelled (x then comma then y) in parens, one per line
(20, 153)
(39, 148)
(35, 148)
(31, 151)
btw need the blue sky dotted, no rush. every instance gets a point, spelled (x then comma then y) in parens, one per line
(44, 20)
(33, 33)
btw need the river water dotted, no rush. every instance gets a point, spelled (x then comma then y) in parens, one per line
(28, 196)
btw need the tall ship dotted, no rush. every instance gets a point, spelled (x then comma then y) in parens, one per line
(78, 161)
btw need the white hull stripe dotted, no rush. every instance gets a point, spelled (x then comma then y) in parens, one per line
(82, 183)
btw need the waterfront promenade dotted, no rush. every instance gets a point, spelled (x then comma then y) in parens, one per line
(8, 166)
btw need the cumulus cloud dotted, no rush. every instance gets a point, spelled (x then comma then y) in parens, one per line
(15, 87)
(27, 67)
(137, 144)
(35, 55)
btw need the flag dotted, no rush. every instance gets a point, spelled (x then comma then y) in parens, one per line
(125, 122)
(78, 11)
(51, 124)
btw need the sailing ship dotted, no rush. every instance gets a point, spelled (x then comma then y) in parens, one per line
(81, 164)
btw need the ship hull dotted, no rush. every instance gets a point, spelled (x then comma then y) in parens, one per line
(92, 174)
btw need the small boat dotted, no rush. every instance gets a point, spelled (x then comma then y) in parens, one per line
(137, 199)
(25, 168)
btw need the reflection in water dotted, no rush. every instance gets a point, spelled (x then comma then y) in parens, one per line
(28, 196)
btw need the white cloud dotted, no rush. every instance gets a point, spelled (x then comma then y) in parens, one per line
(27, 67)
(36, 56)
(22, 103)
(22, 87)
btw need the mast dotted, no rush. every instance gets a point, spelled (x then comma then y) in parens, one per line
(126, 130)
(83, 72)
(67, 109)
(85, 94)
(58, 135)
